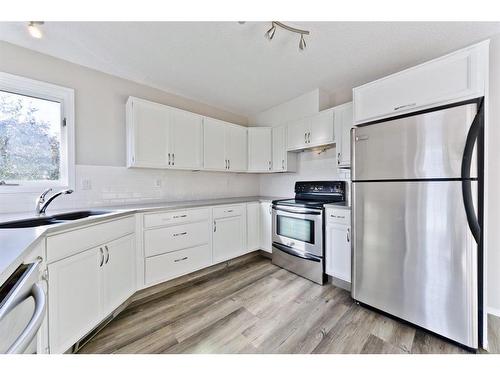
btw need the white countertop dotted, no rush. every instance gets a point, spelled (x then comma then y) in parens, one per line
(16, 243)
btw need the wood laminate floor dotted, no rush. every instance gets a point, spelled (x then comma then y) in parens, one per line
(256, 307)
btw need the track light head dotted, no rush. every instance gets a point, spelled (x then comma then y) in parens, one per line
(270, 33)
(302, 42)
(34, 30)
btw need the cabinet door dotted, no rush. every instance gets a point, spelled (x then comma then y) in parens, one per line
(266, 226)
(322, 128)
(253, 226)
(259, 149)
(186, 140)
(279, 149)
(338, 251)
(74, 298)
(214, 140)
(237, 154)
(297, 134)
(148, 132)
(343, 120)
(119, 272)
(228, 238)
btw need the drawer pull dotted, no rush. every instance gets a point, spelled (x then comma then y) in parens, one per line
(405, 106)
(338, 217)
(179, 216)
(180, 259)
(180, 234)
(228, 211)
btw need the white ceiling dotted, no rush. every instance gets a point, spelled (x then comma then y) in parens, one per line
(233, 67)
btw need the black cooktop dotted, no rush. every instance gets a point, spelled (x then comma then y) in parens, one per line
(315, 194)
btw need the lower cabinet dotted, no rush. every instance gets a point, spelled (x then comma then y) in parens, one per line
(338, 244)
(84, 288)
(253, 226)
(266, 226)
(229, 232)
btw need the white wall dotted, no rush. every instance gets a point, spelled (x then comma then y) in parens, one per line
(493, 282)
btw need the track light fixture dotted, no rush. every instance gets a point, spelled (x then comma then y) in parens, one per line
(34, 30)
(302, 42)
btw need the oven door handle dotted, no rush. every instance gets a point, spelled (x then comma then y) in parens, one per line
(295, 253)
(278, 208)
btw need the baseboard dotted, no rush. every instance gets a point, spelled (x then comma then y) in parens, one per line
(339, 283)
(494, 311)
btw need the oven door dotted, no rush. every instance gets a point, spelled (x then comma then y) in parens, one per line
(300, 229)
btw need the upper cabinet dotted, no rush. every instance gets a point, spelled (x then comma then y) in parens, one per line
(224, 146)
(313, 131)
(259, 149)
(343, 125)
(159, 136)
(282, 161)
(455, 77)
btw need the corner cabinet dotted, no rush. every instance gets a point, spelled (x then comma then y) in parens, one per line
(338, 243)
(159, 136)
(343, 126)
(282, 160)
(455, 77)
(259, 149)
(224, 146)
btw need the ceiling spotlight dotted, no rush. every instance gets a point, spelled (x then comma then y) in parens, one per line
(302, 42)
(34, 30)
(270, 32)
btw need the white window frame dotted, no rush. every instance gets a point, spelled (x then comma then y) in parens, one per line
(66, 97)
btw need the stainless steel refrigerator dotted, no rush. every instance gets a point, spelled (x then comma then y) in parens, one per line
(417, 218)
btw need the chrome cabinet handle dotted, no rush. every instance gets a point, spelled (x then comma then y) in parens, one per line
(309, 137)
(107, 254)
(102, 257)
(338, 158)
(180, 259)
(405, 106)
(225, 161)
(227, 211)
(169, 159)
(180, 234)
(228, 163)
(215, 226)
(269, 164)
(305, 137)
(283, 164)
(173, 159)
(348, 234)
(179, 216)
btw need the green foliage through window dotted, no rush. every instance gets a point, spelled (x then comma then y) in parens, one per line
(30, 133)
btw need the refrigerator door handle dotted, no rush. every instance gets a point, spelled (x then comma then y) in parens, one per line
(472, 137)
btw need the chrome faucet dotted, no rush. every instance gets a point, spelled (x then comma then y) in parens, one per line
(41, 204)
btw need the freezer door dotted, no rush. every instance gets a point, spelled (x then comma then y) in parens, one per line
(425, 146)
(414, 256)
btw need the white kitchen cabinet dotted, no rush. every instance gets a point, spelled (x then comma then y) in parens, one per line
(253, 226)
(119, 272)
(229, 233)
(282, 160)
(455, 77)
(322, 130)
(313, 131)
(86, 287)
(224, 146)
(159, 136)
(266, 226)
(338, 243)
(186, 140)
(259, 149)
(237, 155)
(148, 134)
(343, 126)
(75, 298)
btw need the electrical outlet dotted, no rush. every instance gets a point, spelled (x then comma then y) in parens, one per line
(86, 184)
(158, 183)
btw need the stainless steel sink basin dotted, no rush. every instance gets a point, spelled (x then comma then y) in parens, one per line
(50, 220)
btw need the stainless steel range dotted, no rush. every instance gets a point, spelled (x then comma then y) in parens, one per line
(298, 227)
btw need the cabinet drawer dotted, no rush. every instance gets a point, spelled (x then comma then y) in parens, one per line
(68, 243)
(167, 266)
(338, 216)
(174, 217)
(228, 211)
(164, 240)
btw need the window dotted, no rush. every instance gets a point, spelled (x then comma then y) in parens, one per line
(36, 135)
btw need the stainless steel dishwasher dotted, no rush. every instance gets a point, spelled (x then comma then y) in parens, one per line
(22, 309)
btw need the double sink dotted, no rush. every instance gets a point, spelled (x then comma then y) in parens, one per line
(50, 220)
